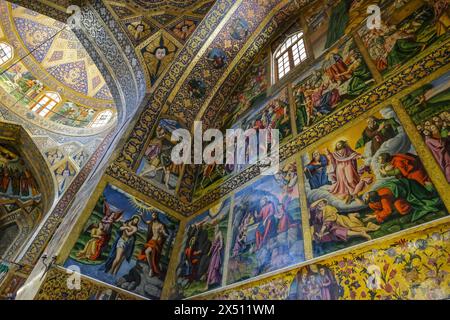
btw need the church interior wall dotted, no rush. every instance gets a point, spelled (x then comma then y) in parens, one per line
(217, 247)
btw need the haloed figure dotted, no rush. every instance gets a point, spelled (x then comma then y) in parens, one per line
(156, 236)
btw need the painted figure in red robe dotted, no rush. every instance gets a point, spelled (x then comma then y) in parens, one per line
(266, 226)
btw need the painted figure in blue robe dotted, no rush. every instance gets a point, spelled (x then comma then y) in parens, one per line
(316, 171)
(123, 246)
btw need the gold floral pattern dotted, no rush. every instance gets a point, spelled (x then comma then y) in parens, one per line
(413, 267)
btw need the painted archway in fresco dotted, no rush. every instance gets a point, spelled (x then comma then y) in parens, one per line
(27, 190)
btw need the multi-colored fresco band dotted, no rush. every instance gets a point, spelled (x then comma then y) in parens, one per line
(249, 147)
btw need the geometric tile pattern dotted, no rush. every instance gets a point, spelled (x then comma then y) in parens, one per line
(35, 36)
(72, 74)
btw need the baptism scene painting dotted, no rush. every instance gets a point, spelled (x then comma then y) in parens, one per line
(125, 243)
(266, 226)
(337, 79)
(157, 165)
(365, 183)
(405, 31)
(203, 252)
(429, 108)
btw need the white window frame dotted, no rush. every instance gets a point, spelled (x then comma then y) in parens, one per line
(6, 53)
(290, 54)
(46, 103)
(102, 119)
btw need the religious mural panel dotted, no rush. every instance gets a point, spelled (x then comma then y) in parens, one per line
(406, 30)
(203, 252)
(126, 243)
(411, 267)
(429, 108)
(20, 84)
(339, 78)
(157, 165)
(80, 158)
(54, 156)
(266, 226)
(271, 114)
(17, 180)
(317, 18)
(365, 183)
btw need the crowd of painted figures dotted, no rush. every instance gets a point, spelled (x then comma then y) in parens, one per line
(16, 180)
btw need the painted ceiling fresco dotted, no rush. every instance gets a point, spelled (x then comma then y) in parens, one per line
(67, 134)
(159, 29)
(198, 90)
(47, 57)
(196, 84)
(343, 105)
(62, 56)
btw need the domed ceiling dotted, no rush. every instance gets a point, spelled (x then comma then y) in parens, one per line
(62, 56)
(47, 53)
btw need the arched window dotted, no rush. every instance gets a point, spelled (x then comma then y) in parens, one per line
(47, 102)
(289, 55)
(102, 119)
(6, 53)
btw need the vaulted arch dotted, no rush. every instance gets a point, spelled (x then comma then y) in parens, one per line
(27, 190)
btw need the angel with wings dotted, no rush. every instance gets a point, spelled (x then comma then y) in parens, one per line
(100, 233)
(110, 215)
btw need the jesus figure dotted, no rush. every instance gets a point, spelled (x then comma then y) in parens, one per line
(156, 236)
(347, 181)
